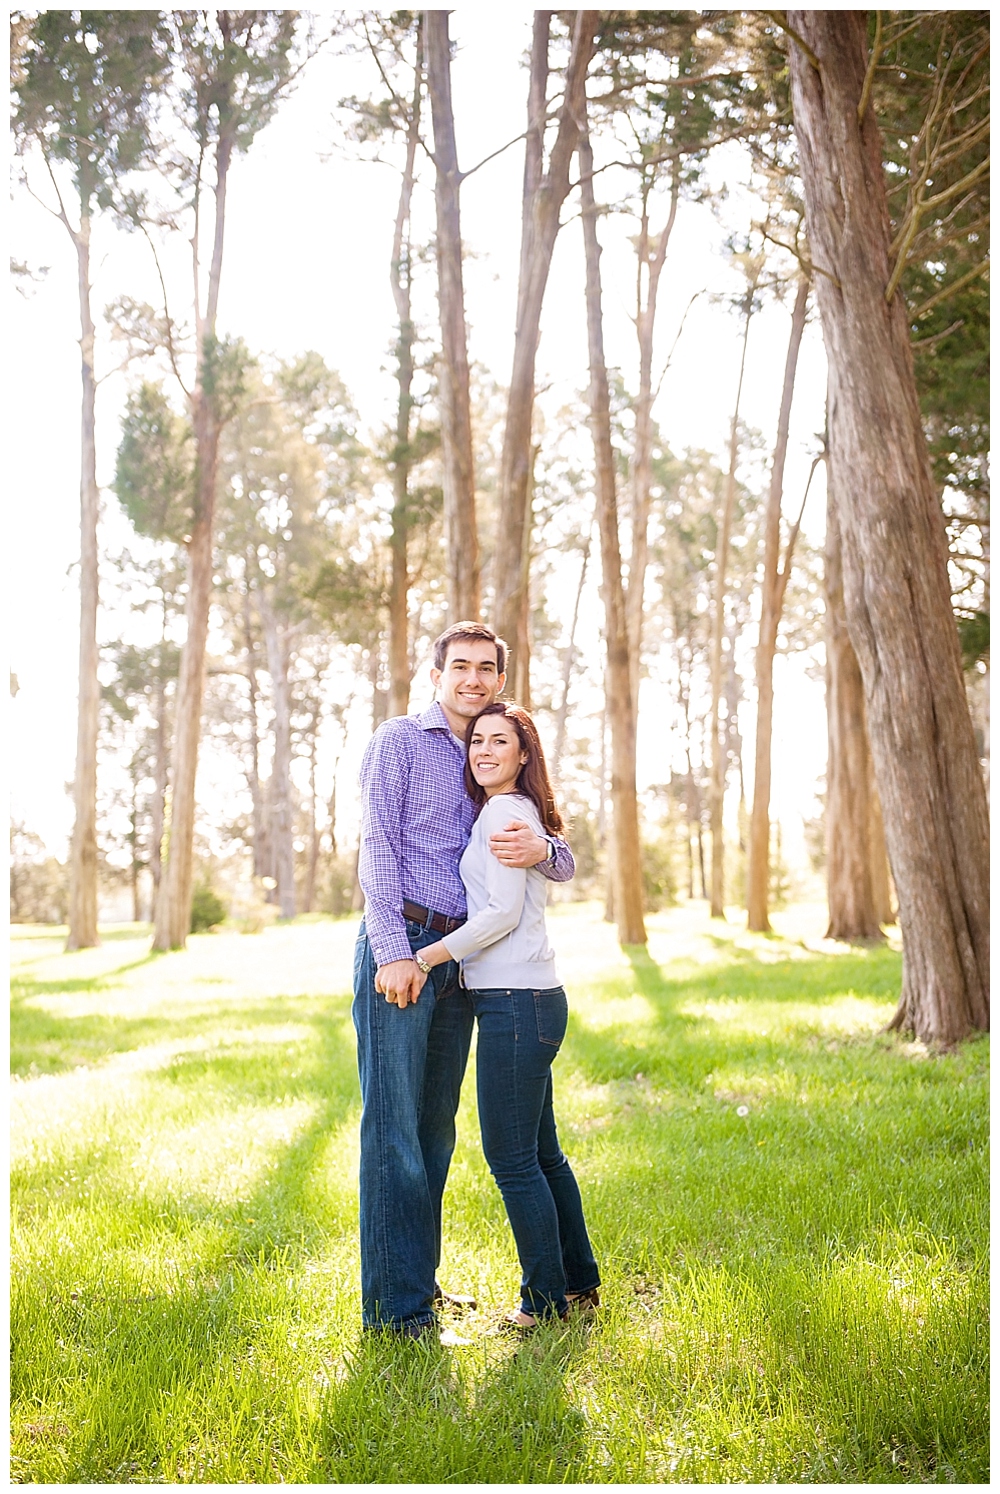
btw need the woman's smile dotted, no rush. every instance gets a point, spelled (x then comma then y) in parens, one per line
(496, 756)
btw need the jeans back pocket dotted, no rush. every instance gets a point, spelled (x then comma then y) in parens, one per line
(551, 1015)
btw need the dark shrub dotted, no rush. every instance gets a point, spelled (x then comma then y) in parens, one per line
(207, 908)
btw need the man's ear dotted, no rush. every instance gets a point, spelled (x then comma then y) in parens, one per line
(435, 677)
(501, 681)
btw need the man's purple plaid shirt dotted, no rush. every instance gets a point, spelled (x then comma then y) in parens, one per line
(415, 823)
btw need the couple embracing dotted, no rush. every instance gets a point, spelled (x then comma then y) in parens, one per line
(460, 834)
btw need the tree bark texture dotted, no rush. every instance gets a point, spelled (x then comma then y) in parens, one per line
(83, 849)
(544, 193)
(771, 601)
(720, 729)
(896, 594)
(850, 895)
(461, 537)
(881, 881)
(626, 855)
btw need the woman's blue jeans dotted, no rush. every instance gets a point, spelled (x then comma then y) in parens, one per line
(520, 1032)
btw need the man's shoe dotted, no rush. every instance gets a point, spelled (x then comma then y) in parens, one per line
(454, 1301)
(401, 1330)
(417, 1330)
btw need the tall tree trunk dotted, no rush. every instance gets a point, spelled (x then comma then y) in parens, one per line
(281, 765)
(312, 863)
(83, 849)
(719, 729)
(626, 857)
(569, 659)
(896, 593)
(260, 865)
(651, 256)
(771, 599)
(136, 865)
(400, 279)
(461, 537)
(380, 697)
(542, 199)
(173, 905)
(159, 780)
(850, 895)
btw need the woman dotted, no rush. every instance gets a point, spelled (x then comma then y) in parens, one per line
(509, 971)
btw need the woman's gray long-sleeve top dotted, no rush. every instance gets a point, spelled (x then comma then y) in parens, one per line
(504, 943)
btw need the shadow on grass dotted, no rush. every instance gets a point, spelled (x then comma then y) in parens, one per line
(23, 988)
(149, 1346)
(683, 1047)
(758, 1135)
(404, 1413)
(223, 1066)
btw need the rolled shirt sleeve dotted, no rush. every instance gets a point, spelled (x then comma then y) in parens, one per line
(562, 867)
(384, 776)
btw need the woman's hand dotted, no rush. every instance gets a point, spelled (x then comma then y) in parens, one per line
(517, 845)
(435, 954)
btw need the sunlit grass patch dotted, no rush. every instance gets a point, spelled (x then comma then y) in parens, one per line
(789, 1206)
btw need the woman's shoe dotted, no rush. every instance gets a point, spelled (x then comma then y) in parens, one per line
(583, 1302)
(524, 1324)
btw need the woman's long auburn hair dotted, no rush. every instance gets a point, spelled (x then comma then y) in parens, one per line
(533, 780)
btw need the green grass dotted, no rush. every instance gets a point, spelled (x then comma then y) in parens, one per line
(789, 1207)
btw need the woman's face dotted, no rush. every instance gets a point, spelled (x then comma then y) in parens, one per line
(496, 755)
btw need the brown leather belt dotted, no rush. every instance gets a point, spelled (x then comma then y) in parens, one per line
(439, 922)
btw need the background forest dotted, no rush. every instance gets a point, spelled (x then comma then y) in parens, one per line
(596, 418)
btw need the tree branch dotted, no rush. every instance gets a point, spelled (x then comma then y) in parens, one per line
(800, 41)
(786, 568)
(171, 352)
(464, 175)
(949, 290)
(62, 214)
(870, 70)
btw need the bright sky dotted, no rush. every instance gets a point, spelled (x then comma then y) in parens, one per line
(307, 244)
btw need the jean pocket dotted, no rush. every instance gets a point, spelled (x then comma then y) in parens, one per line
(360, 950)
(551, 1015)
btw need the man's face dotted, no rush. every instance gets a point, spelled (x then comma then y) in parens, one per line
(469, 680)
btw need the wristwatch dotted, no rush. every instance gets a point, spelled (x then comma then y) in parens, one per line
(423, 965)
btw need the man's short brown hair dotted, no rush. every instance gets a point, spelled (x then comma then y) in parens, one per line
(470, 630)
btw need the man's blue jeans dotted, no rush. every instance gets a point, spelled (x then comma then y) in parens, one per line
(519, 1035)
(411, 1062)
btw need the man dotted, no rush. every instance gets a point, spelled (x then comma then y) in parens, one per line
(414, 1027)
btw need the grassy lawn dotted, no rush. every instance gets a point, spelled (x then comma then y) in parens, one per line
(790, 1210)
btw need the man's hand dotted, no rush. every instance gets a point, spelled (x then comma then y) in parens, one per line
(401, 981)
(518, 845)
